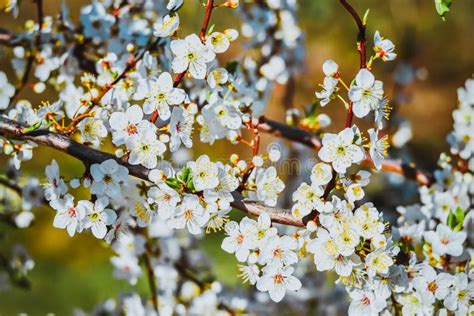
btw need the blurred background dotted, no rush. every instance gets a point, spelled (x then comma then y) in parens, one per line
(437, 55)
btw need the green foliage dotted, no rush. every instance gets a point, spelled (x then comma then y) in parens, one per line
(442, 7)
(456, 219)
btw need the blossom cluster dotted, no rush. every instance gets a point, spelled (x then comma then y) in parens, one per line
(151, 95)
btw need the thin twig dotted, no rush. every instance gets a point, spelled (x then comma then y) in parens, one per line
(151, 280)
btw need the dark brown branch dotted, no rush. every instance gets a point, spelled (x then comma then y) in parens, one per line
(10, 129)
(310, 140)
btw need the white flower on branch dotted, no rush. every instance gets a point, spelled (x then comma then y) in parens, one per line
(68, 215)
(107, 178)
(269, 186)
(166, 25)
(384, 48)
(340, 150)
(189, 214)
(161, 96)
(6, 91)
(277, 280)
(365, 93)
(192, 55)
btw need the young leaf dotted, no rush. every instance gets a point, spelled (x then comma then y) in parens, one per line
(442, 7)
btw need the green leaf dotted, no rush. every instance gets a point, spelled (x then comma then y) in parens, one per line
(211, 29)
(173, 183)
(190, 185)
(186, 174)
(366, 16)
(442, 7)
(32, 128)
(456, 219)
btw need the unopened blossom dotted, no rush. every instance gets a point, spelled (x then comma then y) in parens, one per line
(217, 77)
(269, 186)
(162, 95)
(445, 241)
(384, 48)
(166, 26)
(366, 93)
(218, 41)
(340, 150)
(6, 91)
(97, 216)
(24, 219)
(330, 68)
(277, 280)
(192, 55)
(190, 215)
(107, 178)
(67, 214)
(321, 174)
(354, 192)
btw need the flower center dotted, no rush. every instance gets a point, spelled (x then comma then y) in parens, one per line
(432, 286)
(131, 129)
(72, 212)
(365, 300)
(108, 178)
(94, 217)
(278, 278)
(188, 214)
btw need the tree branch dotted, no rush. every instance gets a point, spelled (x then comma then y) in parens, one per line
(10, 129)
(361, 47)
(310, 140)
